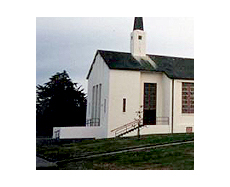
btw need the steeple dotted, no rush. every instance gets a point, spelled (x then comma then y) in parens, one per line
(138, 24)
(138, 41)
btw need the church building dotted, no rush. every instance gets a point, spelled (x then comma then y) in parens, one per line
(127, 91)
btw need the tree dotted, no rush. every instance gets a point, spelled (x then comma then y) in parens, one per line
(59, 103)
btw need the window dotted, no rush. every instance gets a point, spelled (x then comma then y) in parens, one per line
(187, 97)
(124, 105)
(99, 102)
(104, 105)
(139, 37)
(93, 103)
(96, 105)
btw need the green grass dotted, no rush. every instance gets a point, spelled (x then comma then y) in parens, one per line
(172, 157)
(88, 147)
(177, 157)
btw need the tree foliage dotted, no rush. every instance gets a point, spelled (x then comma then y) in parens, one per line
(59, 103)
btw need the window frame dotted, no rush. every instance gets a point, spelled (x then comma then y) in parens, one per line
(124, 105)
(187, 98)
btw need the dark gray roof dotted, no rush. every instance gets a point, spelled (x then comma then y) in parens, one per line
(173, 67)
(138, 23)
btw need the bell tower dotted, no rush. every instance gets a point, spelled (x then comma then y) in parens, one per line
(138, 38)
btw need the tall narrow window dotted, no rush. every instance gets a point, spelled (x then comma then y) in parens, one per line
(124, 105)
(99, 102)
(96, 105)
(96, 101)
(187, 97)
(93, 103)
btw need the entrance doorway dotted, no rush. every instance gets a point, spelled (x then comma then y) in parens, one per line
(150, 98)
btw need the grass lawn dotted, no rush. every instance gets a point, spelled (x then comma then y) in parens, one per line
(170, 157)
(178, 157)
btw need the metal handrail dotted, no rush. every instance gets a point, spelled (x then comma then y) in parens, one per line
(127, 127)
(134, 124)
(128, 124)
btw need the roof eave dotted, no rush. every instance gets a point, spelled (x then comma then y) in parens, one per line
(91, 67)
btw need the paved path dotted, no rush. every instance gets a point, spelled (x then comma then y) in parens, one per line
(126, 150)
(138, 149)
(42, 163)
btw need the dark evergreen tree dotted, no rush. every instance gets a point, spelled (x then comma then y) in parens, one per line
(60, 103)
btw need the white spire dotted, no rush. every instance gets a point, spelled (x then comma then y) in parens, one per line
(138, 38)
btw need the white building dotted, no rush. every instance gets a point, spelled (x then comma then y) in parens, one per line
(120, 84)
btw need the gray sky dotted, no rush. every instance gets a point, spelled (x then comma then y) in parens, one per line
(71, 43)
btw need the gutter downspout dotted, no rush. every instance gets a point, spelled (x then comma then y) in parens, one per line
(172, 103)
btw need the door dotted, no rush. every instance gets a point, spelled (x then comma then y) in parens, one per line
(150, 98)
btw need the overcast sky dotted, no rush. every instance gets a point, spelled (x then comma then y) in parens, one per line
(71, 43)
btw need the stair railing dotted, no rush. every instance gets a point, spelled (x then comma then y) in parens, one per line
(127, 127)
(134, 125)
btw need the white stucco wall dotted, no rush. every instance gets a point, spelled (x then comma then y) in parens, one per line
(138, 46)
(123, 84)
(130, 85)
(148, 77)
(167, 98)
(78, 132)
(151, 129)
(164, 105)
(99, 75)
(181, 120)
(163, 97)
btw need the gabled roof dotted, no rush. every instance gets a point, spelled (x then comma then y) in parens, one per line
(173, 67)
